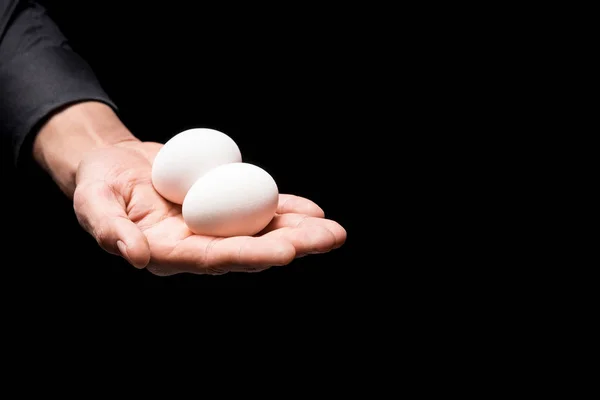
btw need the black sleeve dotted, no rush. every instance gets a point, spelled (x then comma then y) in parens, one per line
(39, 73)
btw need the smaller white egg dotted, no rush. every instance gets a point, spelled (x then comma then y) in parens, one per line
(187, 156)
(237, 199)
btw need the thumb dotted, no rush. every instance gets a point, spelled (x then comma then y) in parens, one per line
(101, 212)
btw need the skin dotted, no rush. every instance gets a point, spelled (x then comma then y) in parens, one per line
(106, 170)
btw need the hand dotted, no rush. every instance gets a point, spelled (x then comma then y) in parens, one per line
(115, 202)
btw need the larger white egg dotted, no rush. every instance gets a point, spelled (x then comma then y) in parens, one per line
(238, 199)
(189, 155)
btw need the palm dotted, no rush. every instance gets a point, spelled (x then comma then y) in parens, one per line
(121, 176)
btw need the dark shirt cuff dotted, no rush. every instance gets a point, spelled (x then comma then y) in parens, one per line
(35, 85)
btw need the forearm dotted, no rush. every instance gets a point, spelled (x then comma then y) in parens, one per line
(70, 133)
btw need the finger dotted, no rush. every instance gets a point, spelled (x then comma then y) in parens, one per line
(200, 254)
(289, 203)
(313, 239)
(101, 212)
(304, 221)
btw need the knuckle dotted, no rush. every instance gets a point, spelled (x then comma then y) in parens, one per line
(207, 260)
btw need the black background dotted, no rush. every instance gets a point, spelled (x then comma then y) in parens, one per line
(307, 93)
(311, 95)
(289, 90)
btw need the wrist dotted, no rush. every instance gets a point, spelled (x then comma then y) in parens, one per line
(70, 133)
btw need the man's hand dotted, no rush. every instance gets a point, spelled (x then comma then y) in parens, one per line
(115, 202)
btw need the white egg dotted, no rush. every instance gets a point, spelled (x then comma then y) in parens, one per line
(189, 155)
(238, 199)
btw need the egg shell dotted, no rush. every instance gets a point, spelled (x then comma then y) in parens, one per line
(238, 199)
(189, 155)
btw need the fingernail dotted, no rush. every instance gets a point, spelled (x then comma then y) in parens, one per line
(123, 249)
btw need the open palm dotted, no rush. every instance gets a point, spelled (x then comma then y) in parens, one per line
(116, 203)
